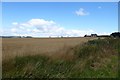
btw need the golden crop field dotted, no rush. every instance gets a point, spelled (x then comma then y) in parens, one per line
(12, 47)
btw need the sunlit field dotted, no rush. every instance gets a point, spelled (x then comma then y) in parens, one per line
(89, 57)
(12, 47)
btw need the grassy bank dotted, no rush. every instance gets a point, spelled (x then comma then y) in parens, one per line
(93, 59)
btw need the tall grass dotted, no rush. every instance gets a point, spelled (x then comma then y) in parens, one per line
(100, 57)
(93, 59)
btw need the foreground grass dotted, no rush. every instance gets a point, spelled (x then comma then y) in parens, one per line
(94, 59)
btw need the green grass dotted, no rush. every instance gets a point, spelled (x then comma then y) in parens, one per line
(94, 59)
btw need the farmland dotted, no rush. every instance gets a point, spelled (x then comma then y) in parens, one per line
(31, 46)
(60, 57)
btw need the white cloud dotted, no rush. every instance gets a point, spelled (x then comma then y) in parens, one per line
(14, 30)
(40, 22)
(104, 33)
(44, 28)
(99, 7)
(81, 12)
(14, 23)
(1, 31)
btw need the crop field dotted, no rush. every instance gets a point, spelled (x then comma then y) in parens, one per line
(89, 57)
(12, 47)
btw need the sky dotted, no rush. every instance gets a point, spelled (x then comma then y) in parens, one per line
(60, 0)
(44, 19)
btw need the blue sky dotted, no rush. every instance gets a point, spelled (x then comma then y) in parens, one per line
(59, 18)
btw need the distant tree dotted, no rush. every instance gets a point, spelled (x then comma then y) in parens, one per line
(61, 36)
(28, 37)
(93, 35)
(85, 36)
(115, 34)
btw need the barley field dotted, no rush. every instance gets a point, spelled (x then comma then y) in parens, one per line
(12, 47)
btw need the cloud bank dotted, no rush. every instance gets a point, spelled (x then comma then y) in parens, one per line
(44, 28)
